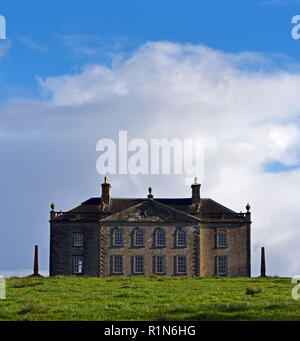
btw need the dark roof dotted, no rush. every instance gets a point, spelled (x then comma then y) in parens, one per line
(207, 206)
(92, 201)
(166, 201)
(175, 201)
(213, 206)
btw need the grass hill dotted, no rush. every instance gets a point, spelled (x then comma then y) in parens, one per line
(144, 298)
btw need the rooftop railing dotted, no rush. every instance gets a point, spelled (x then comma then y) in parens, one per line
(83, 216)
(94, 216)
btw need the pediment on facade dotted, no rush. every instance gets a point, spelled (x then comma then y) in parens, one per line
(151, 211)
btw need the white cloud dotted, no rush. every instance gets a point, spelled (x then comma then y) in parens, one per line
(4, 47)
(248, 116)
(108, 48)
(279, 2)
(33, 45)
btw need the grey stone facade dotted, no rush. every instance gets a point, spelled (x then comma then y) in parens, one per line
(131, 237)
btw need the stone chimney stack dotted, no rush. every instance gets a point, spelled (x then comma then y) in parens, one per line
(196, 192)
(105, 196)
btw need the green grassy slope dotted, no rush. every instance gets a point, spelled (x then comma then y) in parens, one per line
(154, 298)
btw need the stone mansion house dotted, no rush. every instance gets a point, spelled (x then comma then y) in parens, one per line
(107, 236)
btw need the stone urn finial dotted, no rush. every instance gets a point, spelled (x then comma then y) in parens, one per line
(150, 195)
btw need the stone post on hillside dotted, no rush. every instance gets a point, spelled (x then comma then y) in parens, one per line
(263, 263)
(36, 262)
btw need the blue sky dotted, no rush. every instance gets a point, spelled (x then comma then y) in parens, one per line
(72, 72)
(39, 32)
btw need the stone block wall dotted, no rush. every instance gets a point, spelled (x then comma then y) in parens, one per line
(149, 250)
(201, 249)
(237, 250)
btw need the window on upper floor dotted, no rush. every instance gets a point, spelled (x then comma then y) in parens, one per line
(222, 240)
(181, 238)
(160, 238)
(78, 239)
(117, 238)
(138, 238)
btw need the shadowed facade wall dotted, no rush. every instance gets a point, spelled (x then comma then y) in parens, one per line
(62, 250)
